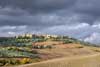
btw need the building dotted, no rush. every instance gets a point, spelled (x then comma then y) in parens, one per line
(25, 35)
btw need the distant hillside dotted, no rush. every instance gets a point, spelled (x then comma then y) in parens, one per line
(29, 38)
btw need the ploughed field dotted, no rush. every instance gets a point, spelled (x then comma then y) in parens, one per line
(47, 54)
(59, 50)
(76, 61)
(66, 55)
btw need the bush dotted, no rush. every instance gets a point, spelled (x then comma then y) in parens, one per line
(14, 62)
(42, 46)
(2, 62)
(34, 52)
(96, 50)
(79, 47)
(25, 61)
(49, 46)
(67, 42)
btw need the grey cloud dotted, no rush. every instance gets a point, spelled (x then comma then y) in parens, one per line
(77, 18)
(19, 7)
(38, 5)
(38, 20)
(12, 11)
(88, 6)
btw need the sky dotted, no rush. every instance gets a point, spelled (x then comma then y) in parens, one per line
(76, 18)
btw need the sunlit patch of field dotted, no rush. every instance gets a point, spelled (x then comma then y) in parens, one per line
(78, 61)
(72, 56)
(67, 55)
(66, 50)
(60, 50)
(48, 43)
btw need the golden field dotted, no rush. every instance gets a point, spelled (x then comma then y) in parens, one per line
(77, 61)
(68, 55)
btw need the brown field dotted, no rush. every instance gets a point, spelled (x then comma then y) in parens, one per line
(66, 50)
(67, 55)
(78, 61)
(48, 43)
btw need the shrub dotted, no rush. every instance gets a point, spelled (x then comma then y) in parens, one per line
(25, 61)
(79, 47)
(2, 62)
(14, 62)
(67, 42)
(34, 52)
(96, 50)
(42, 46)
(49, 46)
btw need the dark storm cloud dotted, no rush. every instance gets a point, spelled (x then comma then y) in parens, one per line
(88, 6)
(12, 11)
(38, 5)
(37, 20)
(19, 12)
(88, 10)
(77, 18)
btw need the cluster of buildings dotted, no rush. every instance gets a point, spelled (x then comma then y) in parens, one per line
(36, 35)
(25, 35)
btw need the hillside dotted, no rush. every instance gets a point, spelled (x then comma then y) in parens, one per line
(77, 61)
(27, 50)
(67, 55)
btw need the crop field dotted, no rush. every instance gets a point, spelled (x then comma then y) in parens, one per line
(50, 54)
(70, 55)
(78, 61)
